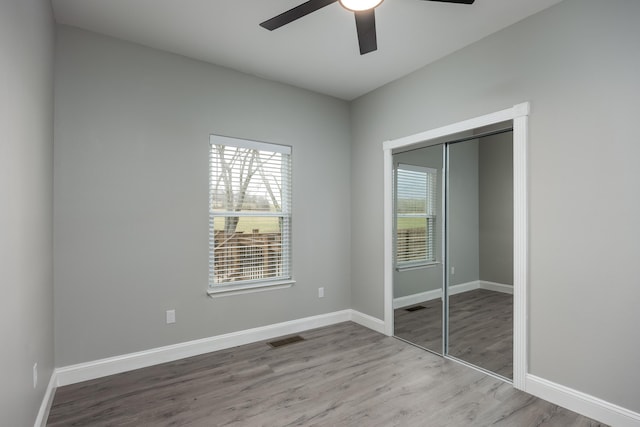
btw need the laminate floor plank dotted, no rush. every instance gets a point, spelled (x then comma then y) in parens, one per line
(341, 375)
(422, 327)
(480, 328)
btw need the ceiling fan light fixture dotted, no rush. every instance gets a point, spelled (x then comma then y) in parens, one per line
(359, 5)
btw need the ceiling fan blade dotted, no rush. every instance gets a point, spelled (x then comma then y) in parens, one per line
(296, 13)
(456, 1)
(366, 27)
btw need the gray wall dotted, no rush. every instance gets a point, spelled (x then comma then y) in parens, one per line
(577, 64)
(495, 189)
(131, 217)
(26, 191)
(463, 226)
(410, 282)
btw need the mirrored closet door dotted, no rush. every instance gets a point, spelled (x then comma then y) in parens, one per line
(453, 248)
(480, 252)
(419, 269)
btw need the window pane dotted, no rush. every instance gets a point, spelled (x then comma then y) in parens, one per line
(412, 223)
(415, 198)
(249, 248)
(248, 180)
(412, 239)
(263, 224)
(411, 192)
(249, 211)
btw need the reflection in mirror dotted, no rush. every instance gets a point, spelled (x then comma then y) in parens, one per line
(480, 252)
(418, 253)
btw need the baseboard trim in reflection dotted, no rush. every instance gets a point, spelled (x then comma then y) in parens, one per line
(496, 287)
(409, 300)
(420, 297)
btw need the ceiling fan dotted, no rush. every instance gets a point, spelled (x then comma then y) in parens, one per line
(362, 9)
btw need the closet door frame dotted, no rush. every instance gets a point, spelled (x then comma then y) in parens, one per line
(519, 114)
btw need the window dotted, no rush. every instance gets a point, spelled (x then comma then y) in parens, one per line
(249, 213)
(415, 215)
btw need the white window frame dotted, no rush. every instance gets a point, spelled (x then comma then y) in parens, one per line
(256, 284)
(430, 216)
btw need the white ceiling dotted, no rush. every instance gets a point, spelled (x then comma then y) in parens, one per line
(318, 52)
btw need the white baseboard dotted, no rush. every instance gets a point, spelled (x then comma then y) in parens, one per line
(566, 397)
(413, 299)
(127, 362)
(496, 287)
(581, 403)
(480, 284)
(47, 400)
(367, 321)
(464, 287)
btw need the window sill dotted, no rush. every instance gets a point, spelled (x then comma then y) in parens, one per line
(224, 291)
(418, 266)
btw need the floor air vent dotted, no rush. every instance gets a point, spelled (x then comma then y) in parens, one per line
(416, 308)
(285, 341)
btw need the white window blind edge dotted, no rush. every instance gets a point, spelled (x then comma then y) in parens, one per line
(407, 266)
(240, 214)
(249, 144)
(415, 168)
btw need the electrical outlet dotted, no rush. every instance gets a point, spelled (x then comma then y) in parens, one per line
(171, 316)
(320, 292)
(35, 375)
(453, 271)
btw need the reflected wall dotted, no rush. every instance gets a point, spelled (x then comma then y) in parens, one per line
(417, 292)
(480, 248)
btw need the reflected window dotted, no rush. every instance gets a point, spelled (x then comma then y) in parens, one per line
(415, 205)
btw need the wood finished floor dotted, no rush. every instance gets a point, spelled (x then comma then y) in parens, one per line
(421, 327)
(480, 328)
(341, 375)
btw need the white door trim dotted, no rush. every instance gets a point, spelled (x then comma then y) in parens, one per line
(519, 114)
